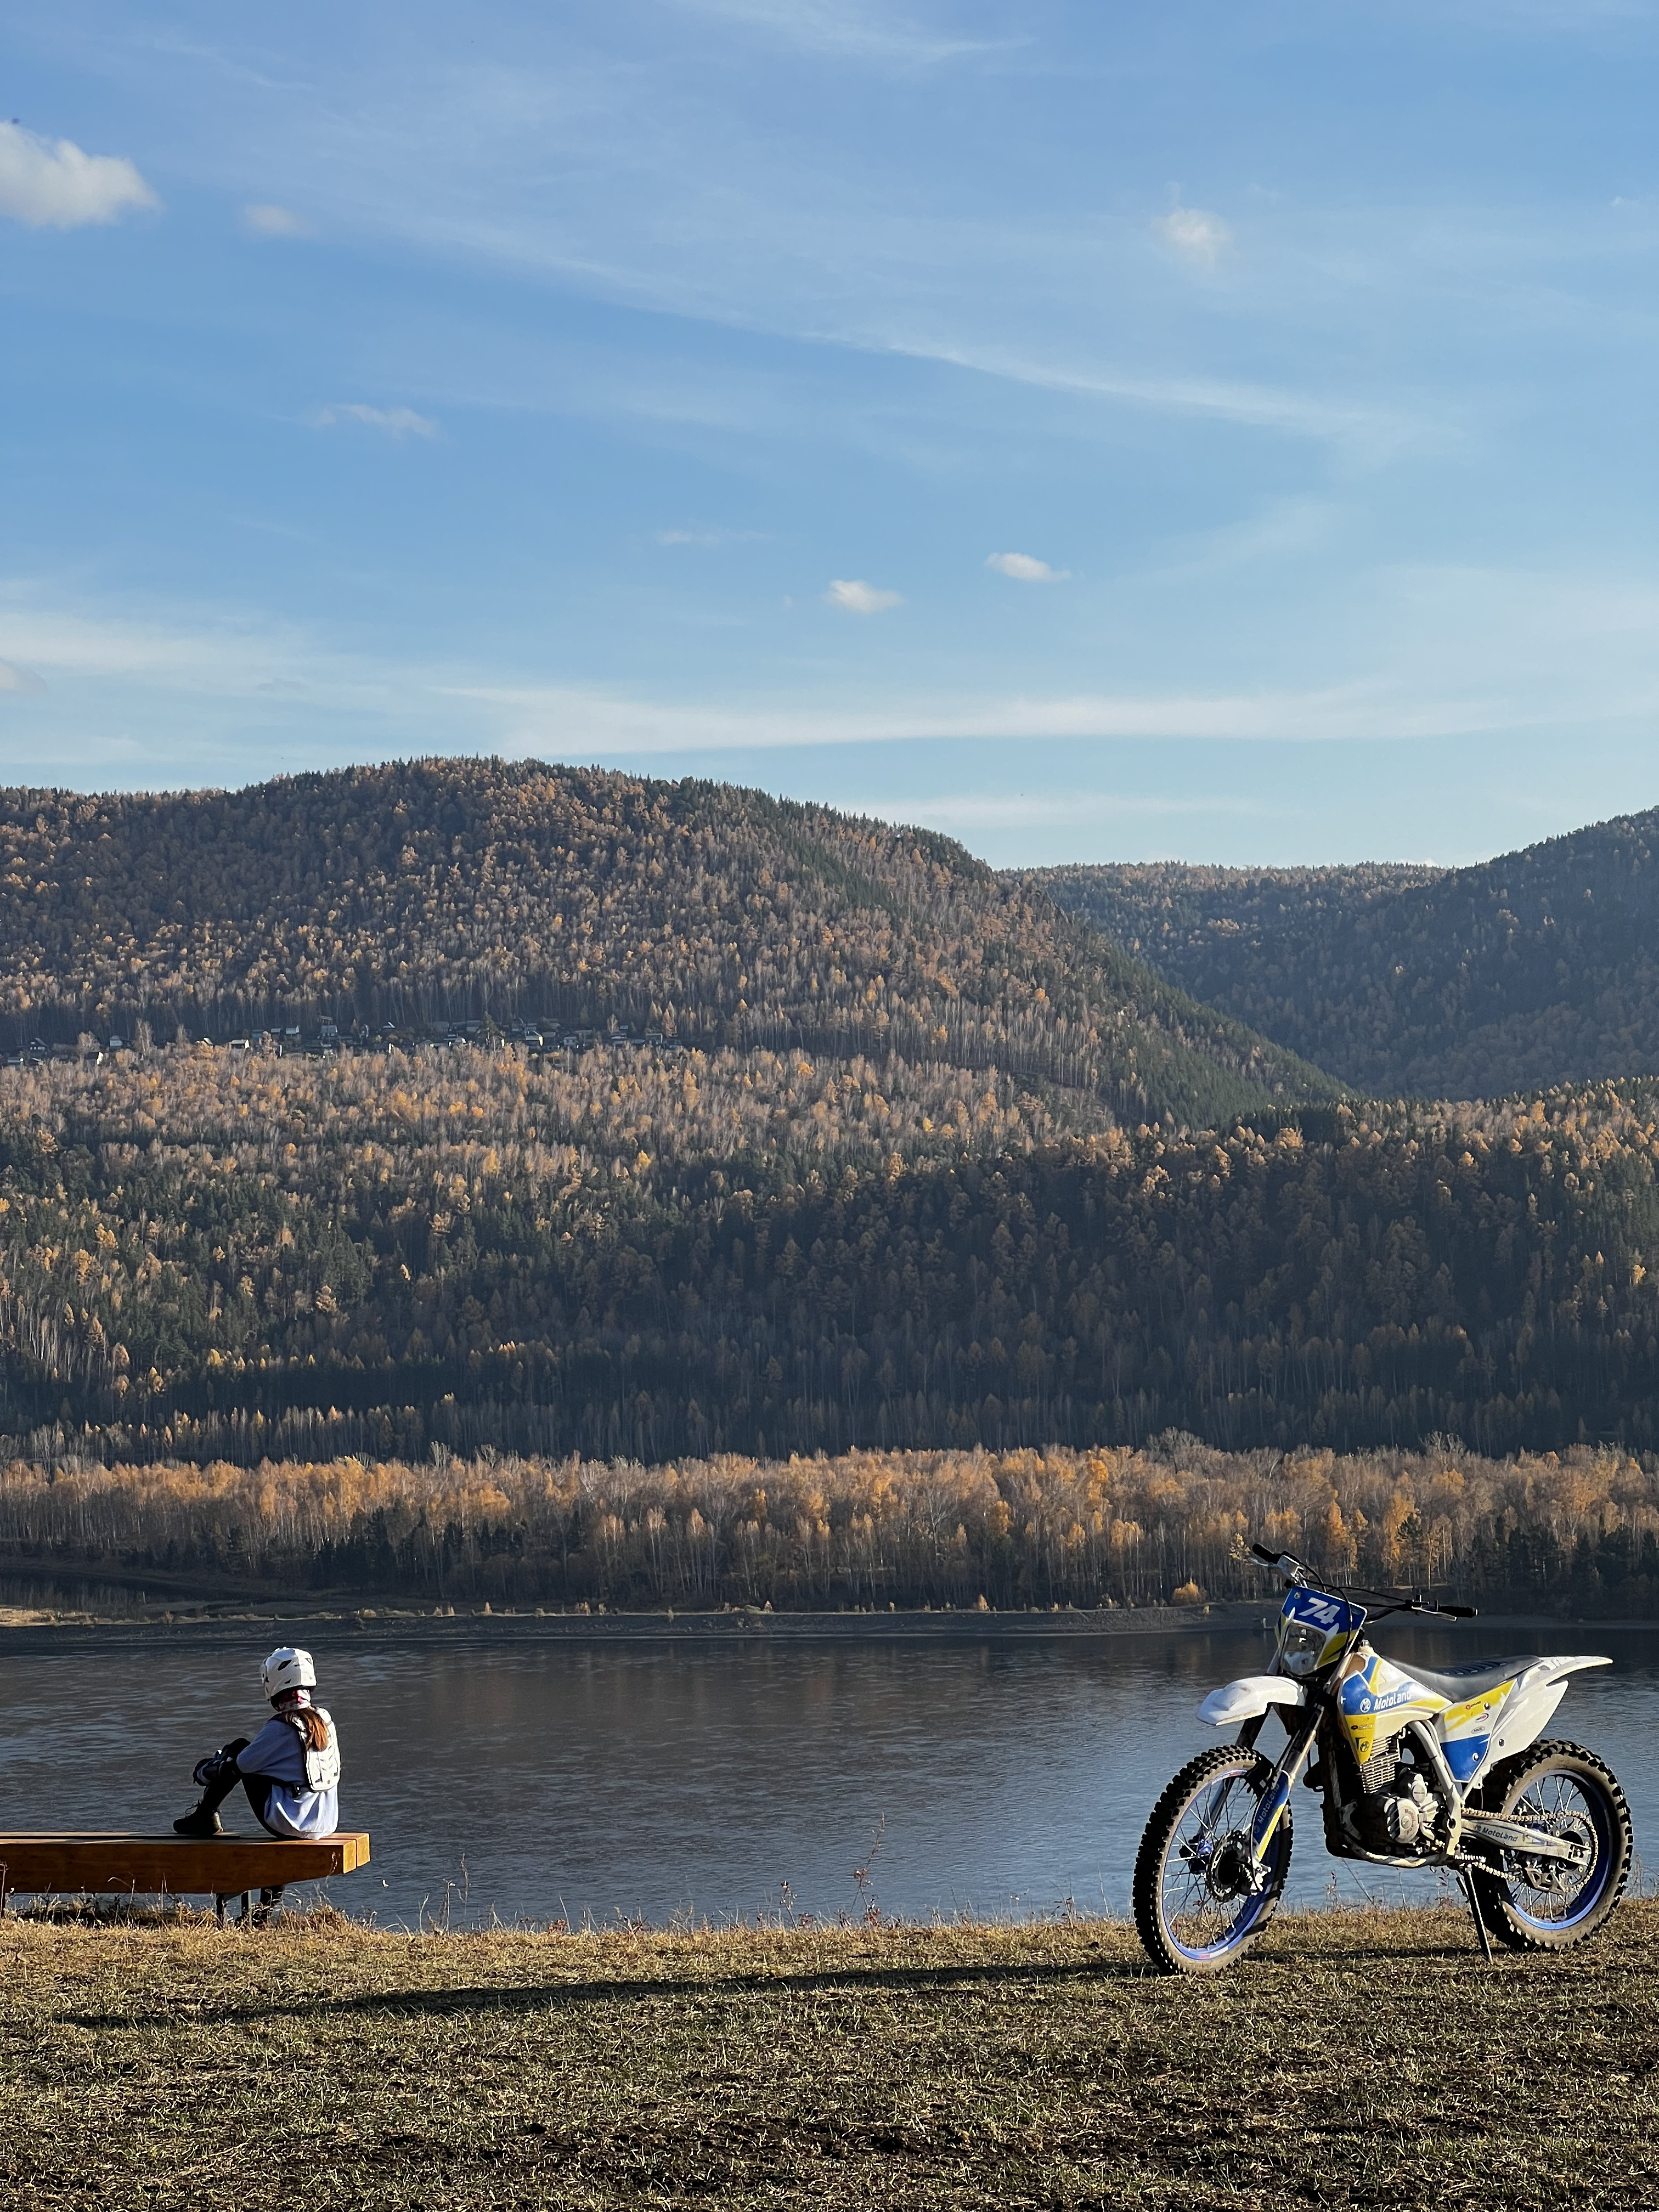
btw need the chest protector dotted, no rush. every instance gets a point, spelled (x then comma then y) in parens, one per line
(322, 1767)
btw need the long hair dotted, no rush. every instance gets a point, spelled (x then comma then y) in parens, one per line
(296, 1705)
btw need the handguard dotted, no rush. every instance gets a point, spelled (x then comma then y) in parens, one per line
(1250, 1697)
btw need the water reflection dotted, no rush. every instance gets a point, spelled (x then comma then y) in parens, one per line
(547, 1781)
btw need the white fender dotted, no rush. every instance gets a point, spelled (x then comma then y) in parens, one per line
(1530, 1706)
(1252, 1695)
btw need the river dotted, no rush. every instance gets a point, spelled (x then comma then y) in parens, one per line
(540, 1781)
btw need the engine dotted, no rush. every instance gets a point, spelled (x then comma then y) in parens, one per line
(1399, 1811)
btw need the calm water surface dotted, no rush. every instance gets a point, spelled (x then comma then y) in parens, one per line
(546, 1781)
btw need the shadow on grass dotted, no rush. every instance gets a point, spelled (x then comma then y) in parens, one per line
(558, 1996)
(1361, 1948)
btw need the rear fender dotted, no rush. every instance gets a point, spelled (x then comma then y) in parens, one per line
(1530, 1705)
(1249, 1698)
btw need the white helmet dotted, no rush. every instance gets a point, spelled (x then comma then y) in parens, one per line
(287, 1669)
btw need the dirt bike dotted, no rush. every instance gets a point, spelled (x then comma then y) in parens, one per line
(1412, 1768)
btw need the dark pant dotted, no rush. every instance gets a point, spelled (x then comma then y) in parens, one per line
(257, 1786)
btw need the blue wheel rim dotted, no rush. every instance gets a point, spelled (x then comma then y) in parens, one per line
(1598, 1812)
(1253, 1907)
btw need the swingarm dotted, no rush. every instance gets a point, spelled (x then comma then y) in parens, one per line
(1527, 1843)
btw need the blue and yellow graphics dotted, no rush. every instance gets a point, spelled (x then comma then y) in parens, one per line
(1381, 1698)
(1315, 1627)
(1466, 1730)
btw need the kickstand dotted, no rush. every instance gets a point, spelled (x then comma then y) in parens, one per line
(1473, 1896)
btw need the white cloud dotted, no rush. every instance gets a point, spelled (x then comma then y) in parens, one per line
(857, 598)
(15, 678)
(1196, 234)
(268, 221)
(1025, 568)
(395, 422)
(57, 188)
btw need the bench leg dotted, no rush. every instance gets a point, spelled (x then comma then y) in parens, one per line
(219, 1911)
(246, 1911)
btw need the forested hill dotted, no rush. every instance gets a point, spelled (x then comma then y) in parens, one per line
(206, 1254)
(1540, 966)
(438, 890)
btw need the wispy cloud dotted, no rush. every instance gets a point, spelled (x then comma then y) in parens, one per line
(1025, 568)
(709, 538)
(654, 187)
(855, 597)
(1062, 810)
(192, 651)
(1286, 530)
(52, 186)
(571, 720)
(1196, 235)
(837, 26)
(1373, 431)
(265, 221)
(394, 421)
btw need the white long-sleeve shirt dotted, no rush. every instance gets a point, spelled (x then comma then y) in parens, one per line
(292, 1810)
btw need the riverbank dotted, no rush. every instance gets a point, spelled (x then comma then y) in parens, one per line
(32, 1629)
(1359, 2059)
(28, 1631)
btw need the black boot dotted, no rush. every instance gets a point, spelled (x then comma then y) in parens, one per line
(218, 1777)
(203, 1822)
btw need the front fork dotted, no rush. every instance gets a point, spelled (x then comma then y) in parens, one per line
(1277, 1796)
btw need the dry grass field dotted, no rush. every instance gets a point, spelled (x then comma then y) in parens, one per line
(1358, 2059)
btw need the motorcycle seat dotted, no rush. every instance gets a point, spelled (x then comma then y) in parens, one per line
(1456, 1683)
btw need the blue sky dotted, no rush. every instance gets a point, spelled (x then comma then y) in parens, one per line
(1100, 432)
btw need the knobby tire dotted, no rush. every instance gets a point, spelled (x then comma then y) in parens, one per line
(1168, 1956)
(1595, 1781)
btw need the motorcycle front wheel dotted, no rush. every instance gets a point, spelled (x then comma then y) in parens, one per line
(1199, 1901)
(1545, 1904)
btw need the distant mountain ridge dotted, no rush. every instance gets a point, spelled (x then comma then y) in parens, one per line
(439, 889)
(1538, 968)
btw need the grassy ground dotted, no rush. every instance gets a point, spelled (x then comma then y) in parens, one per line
(1358, 2059)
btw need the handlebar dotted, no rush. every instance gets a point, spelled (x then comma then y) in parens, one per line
(1290, 1568)
(1390, 1601)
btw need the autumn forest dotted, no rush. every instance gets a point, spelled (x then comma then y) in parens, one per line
(579, 1190)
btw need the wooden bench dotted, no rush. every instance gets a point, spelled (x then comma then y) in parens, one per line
(171, 1866)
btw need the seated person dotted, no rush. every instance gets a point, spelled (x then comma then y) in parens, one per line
(290, 1771)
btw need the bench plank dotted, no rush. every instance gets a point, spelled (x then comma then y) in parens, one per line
(176, 1866)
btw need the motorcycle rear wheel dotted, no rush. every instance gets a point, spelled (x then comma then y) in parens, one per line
(1194, 1909)
(1538, 1905)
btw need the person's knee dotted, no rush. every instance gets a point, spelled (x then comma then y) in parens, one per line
(219, 1766)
